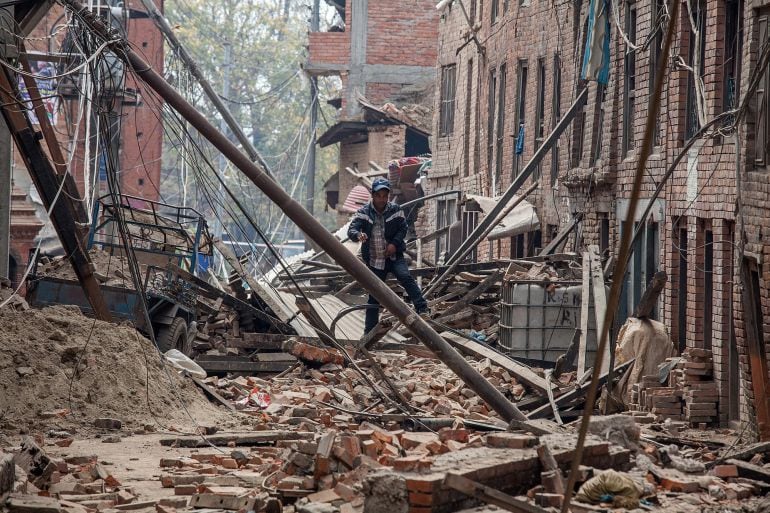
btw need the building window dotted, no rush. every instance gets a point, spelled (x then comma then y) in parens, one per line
(518, 246)
(521, 113)
(494, 11)
(732, 56)
(472, 13)
(629, 84)
(446, 215)
(604, 231)
(761, 128)
(555, 116)
(467, 119)
(696, 61)
(680, 248)
(448, 88)
(500, 123)
(601, 92)
(540, 109)
(708, 288)
(470, 221)
(491, 124)
(658, 29)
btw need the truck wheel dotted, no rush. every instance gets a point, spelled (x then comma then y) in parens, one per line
(174, 336)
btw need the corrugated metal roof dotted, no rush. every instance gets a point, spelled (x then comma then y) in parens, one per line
(358, 197)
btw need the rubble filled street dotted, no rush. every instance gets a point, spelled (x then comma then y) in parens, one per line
(347, 256)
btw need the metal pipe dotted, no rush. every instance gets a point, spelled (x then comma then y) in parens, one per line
(304, 220)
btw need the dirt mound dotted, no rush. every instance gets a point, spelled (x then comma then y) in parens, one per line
(56, 358)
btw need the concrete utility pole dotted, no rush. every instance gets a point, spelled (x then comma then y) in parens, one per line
(7, 42)
(310, 173)
(218, 228)
(305, 221)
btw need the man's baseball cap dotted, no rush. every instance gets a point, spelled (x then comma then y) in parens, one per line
(379, 184)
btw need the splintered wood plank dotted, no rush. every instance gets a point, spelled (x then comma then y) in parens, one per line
(585, 299)
(600, 303)
(521, 372)
(243, 439)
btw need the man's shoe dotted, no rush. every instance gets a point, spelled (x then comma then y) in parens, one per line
(424, 313)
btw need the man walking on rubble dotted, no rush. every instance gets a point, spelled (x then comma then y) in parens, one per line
(380, 227)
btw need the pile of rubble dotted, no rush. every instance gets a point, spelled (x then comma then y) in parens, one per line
(59, 367)
(9, 299)
(32, 481)
(110, 269)
(690, 393)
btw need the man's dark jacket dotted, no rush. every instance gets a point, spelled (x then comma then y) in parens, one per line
(395, 228)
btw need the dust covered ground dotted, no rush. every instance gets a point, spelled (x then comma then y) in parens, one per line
(59, 368)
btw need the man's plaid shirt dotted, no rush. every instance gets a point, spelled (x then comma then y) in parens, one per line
(378, 244)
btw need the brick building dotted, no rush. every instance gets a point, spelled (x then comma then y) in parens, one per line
(384, 52)
(521, 73)
(139, 143)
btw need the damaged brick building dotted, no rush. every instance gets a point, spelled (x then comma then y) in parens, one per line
(508, 71)
(384, 53)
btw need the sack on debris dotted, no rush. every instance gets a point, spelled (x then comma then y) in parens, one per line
(180, 361)
(649, 343)
(611, 486)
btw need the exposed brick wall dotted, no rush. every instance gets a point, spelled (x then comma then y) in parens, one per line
(329, 48)
(402, 32)
(595, 178)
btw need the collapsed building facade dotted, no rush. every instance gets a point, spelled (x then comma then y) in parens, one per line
(508, 71)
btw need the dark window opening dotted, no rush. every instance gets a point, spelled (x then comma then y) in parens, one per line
(494, 11)
(467, 120)
(491, 122)
(604, 231)
(555, 116)
(601, 92)
(448, 89)
(681, 249)
(732, 56)
(629, 83)
(708, 288)
(521, 113)
(470, 220)
(696, 58)
(656, 46)
(761, 128)
(500, 124)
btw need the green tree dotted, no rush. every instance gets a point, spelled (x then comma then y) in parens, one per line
(268, 95)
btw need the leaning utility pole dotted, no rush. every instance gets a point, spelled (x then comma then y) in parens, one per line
(7, 39)
(310, 173)
(304, 220)
(310, 177)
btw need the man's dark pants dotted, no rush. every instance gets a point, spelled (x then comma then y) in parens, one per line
(401, 271)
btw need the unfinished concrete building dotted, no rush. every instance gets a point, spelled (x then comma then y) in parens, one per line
(384, 52)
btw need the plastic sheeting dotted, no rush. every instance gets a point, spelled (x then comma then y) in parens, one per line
(521, 219)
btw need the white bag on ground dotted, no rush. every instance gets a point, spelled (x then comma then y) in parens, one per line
(180, 361)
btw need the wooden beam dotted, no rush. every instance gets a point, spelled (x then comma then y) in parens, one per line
(472, 294)
(522, 373)
(240, 439)
(577, 393)
(489, 495)
(64, 207)
(600, 299)
(213, 394)
(561, 236)
(585, 302)
(216, 363)
(755, 345)
(650, 297)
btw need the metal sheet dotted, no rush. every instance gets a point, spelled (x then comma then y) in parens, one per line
(521, 219)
